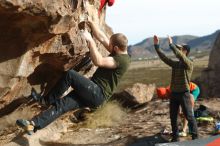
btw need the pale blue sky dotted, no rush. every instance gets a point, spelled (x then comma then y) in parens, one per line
(139, 19)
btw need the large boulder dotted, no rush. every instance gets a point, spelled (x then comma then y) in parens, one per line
(209, 81)
(39, 40)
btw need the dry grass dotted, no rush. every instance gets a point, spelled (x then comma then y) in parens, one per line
(108, 115)
(155, 72)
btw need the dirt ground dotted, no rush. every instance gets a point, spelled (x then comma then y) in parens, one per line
(132, 125)
(112, 125)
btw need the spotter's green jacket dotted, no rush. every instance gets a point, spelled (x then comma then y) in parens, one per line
(181, 69)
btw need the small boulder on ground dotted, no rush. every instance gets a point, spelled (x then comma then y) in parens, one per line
(138, 94)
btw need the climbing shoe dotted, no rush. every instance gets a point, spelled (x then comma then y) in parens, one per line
(79, 115)
(183, 134)
(35, 95)
(26, 125)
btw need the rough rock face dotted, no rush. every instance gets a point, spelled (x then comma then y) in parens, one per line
(39, 39)
(209, 80)
(138, 94)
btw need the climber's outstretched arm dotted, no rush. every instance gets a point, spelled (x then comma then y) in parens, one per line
(97, 58)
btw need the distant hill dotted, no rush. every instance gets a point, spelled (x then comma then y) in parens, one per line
(205, 42)
(145, 48)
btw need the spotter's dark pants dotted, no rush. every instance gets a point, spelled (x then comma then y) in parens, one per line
(183, 100)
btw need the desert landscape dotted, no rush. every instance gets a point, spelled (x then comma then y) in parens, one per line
(112, 124)
(39, 40)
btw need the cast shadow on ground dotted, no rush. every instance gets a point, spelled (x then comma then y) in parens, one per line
(21, 140)
(127, 141)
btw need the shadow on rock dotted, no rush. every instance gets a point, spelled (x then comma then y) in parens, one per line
(12, 106)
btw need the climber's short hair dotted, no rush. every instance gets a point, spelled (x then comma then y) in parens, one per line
(119, 40)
